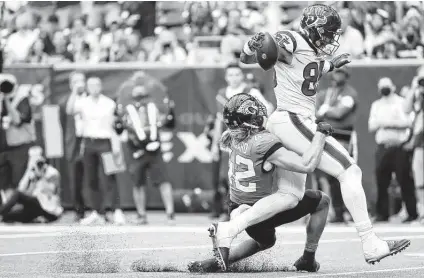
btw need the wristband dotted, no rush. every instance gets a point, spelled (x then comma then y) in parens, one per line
(246, 49)
(328, 67)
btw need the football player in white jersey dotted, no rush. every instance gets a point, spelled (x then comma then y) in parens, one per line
(303, 57)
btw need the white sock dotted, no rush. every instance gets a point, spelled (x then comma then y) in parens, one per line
(355, 201)
(365, 231)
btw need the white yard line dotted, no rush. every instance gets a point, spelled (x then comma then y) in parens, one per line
(189, 229)
(414, 254)
(360, 272)
(300, 242)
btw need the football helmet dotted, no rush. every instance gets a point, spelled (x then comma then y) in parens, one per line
(322, 26)
(244, 110)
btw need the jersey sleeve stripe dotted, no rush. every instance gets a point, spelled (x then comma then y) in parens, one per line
(292, 38)
(272, 150)
(328, 148)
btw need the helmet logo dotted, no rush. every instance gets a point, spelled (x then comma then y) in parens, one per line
(263, 56)
(248, 107)
(316, 21)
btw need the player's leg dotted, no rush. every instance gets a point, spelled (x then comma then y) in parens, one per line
(223, 233)
(314, 230)
(264, 239)
(137, 170)
(296, 133)
(158, 174)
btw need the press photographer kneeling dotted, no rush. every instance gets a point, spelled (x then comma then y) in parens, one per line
(37, 193)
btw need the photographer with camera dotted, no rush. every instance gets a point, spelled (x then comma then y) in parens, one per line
(17, 131)
(414, 104)
(38, 193)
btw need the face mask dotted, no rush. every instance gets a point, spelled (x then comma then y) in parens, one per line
(385, 91)
(410, 37)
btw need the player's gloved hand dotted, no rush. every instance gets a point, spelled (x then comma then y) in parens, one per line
(255, 42)
(340, 60)
(325, 128)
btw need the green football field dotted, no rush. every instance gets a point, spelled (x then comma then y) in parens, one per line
(159, 250)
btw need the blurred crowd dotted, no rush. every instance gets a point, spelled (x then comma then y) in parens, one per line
(191, 32)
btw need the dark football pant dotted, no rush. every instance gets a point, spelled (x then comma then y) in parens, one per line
(264, 232)
(31, 209)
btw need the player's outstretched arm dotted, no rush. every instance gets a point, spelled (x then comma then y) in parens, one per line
(337, 62)
(309, 161)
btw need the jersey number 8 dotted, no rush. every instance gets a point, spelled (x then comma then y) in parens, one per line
(238, 177)
(311, 74)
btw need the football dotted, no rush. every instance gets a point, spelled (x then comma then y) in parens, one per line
(267, 55)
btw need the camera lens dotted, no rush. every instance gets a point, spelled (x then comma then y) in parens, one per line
(6, 87)
(421, 82)
(40, 163)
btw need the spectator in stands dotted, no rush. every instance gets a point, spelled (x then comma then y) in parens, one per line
(61, 53)
(84, 54)
(38, 193)
(98, 117)
(337, 106)
(73, 142)
(199, 17)
(411, 45)
(120, 52)
(84, 42)
(378, 31)
(17, 131)
(113, 35)
(167, 50)
(135, 48)
(99, 12)
(37, 55)
(414, 104)
(392, 127)
(142, 120)
(351, 40)
(18, 44)
(49, 28)
(234, 25)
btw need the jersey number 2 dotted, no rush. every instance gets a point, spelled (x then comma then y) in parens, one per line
(239, 176)
(311, 74)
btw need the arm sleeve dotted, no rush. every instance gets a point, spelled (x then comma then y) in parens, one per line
(266, 144)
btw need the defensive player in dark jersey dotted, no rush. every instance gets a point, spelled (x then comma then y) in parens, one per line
(254, 154)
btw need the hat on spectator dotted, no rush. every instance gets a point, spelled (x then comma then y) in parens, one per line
(386, 82)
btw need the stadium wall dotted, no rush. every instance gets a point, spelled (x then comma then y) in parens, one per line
(193, 89)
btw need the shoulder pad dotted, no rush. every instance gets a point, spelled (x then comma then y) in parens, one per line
(286, 40)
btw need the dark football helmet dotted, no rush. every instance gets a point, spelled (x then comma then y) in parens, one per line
(322, 25)
(244, 110)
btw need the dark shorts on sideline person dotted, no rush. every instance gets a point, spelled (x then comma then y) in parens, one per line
(149, 168)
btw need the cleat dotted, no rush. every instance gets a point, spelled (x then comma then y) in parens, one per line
(221, 254)
(394, 246)
(304, 265)
(210, 265)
